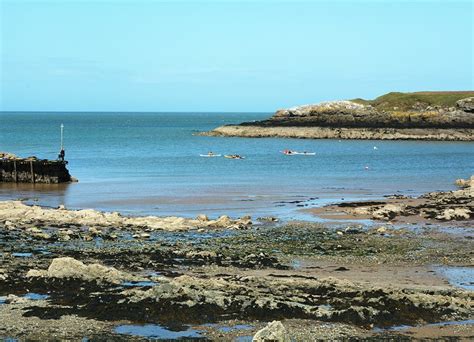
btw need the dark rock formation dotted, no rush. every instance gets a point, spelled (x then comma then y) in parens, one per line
(348, 114)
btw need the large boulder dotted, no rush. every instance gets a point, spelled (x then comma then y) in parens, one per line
(455, 214)
(70, 268)
(387, 212)
(273, 332)
(466, 104)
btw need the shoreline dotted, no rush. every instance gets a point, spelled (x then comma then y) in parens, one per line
(427, 134)
(336, 281)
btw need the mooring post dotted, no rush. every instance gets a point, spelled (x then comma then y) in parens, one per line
(14, 170)
(32, 172)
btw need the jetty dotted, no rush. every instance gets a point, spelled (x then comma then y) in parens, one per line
(32, 170)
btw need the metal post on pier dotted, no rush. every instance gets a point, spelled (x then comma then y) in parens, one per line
(62, 137)
(61, 152)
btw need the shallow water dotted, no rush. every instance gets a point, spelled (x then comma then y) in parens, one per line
(439, 324)
(22, 255)
(155, 331)
(148, 163)
(138, 284)
(462, 277)
(36, 296)
(237, 327)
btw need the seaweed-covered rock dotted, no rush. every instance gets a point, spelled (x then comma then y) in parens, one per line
(387, 212)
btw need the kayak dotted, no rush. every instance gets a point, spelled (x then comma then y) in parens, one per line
(294, 153)
(233, 157)
(210, 155)
(304, 153)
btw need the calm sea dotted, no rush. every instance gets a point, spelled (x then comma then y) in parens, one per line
(149, 163)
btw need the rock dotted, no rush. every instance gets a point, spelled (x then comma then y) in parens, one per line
(15, 212)
(466, 104)
(268, 219)
(34, 230)
(223, 221)
(38, 233)
(244, 222)
(7, 155)
(381, 230)
(10, 225)
(203, 255)
(145, 236)
(260, 296)
(93, 231)
(273, 332)
(3, 274)
(353, 230)
(387, 212)
(12, 299)
(202, 218)
(463, 183)
(455, 214)
(348, 107)
(70, 268)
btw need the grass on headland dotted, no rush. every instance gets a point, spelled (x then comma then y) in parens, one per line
(409, 101)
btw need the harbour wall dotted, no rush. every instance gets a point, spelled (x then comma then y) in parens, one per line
(33, 171)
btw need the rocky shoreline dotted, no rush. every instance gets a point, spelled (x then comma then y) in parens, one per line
(431, 207)
(74, 274)
(446, 116)
(254, 131)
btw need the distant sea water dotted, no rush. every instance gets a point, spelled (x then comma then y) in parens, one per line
(149, 163)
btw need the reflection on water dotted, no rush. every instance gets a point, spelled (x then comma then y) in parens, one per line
(44, 194)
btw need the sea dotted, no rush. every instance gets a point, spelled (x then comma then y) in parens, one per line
(150, 164)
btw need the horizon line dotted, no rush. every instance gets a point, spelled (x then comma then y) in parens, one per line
(126, 112)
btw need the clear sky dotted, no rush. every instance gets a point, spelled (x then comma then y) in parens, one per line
(227, 56)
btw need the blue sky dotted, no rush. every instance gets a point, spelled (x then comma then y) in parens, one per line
(227, 56)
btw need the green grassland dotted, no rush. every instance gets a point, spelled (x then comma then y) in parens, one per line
(412, 101)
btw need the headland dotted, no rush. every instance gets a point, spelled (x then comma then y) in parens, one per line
(447, 116)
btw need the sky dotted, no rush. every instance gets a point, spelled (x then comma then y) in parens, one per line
(224, 56)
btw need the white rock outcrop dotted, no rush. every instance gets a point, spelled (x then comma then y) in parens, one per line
(70, 268)
(273, 332)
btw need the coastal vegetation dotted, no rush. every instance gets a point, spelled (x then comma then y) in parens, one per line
(422, 99)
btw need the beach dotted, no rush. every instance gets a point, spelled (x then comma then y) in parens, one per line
(89, 274)
(237, 171)
(362, 239)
